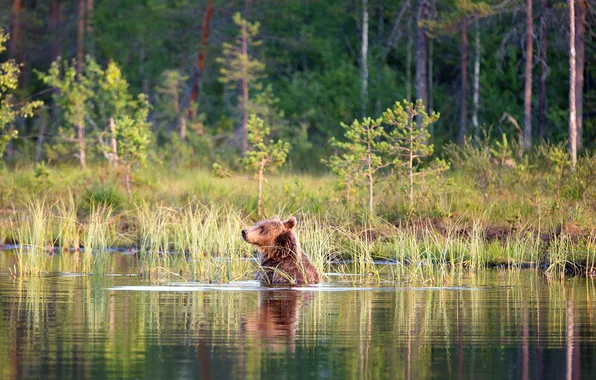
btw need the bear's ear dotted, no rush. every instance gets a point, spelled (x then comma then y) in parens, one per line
(290, 223)
(275, 218)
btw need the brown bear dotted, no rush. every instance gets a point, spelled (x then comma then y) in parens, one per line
(283, 261)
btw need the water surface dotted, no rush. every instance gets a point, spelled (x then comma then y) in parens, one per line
(497, 325)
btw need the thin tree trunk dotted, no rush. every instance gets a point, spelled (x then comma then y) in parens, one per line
(43, 120)
(348, 189)
(199, 67)
(580, 41)
(113, 143)
(127, 181)
(572, 82)
(409, 61)
(80, 36)
(528, 77)
(463, 110)
(81, 137)
(182, 125)
(55, 18)
(89, 25)
(421, 64)
(430, 76)
(15, 29)
(364, 59)
(543, 74)
(244, 84)
(260, 193)
(411, 168)
(371, 208)
(476, 93)
(370, 181)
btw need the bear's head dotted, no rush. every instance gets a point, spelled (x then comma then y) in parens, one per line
(272, 236)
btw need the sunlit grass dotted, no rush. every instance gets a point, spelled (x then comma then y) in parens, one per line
(33, 230)
(202, 243)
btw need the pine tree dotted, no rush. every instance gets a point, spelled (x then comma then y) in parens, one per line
(266, 154)
(74, 92)
(363, 154)
(408, 138)
(240, 66)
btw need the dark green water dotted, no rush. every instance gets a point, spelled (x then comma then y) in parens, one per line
(513, 325)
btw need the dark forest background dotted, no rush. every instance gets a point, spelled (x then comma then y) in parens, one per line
(325, 62)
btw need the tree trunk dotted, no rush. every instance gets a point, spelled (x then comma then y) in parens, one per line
(463, 110)
(476, 93)
(572, 82)
(421, 63)
(80, 36)
(55, 18)
(409, 61)
(182, 124)
(348, 189)
(43, 120)
(260, 193)
(199, 67)
(113, 143)
(89, 25)
(411, 168)
(580, 41)
(244, 84)
(370, 182)
(371, 208)
(543, 74)
(81, 137)
(430, 77)
(364, 59)
(528, 77)
(127, 181)
(15, 29)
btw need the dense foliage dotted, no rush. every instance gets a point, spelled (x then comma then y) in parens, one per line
(308, 77)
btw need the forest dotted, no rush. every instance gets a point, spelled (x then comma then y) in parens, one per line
(303, 66)
(470, 121)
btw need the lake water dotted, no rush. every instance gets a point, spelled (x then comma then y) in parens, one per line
(501, 325)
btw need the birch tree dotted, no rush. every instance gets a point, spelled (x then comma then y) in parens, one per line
(580, 42)
(364, 58)
(572, 91)
(528, 77)
(476, 83)
(543, 74)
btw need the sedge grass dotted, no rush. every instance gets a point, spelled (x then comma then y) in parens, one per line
(203, 243)
(33, 232)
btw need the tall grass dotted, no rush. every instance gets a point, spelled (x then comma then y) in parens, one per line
(33, 231)
(203, 243)
(96, 256)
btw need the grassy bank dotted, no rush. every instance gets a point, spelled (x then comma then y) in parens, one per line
(186, 223)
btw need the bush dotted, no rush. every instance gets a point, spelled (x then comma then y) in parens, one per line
(107, 195)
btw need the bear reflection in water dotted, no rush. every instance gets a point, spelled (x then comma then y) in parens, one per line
(276, 319)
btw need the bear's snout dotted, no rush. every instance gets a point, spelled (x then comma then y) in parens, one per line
(244, 234)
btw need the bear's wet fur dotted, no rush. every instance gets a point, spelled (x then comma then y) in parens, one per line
(283, 261)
